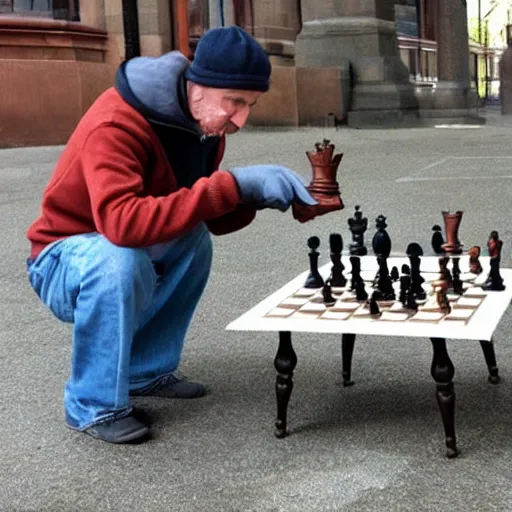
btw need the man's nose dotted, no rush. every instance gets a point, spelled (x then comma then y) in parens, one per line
(240, 117)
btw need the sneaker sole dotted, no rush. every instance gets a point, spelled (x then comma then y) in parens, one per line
(127, 438)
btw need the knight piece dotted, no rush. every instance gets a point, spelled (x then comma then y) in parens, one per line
(494, 280)
(358, 226)
(336, 245)
(323, 186)
(474, 262)
(314, 279)
(437, 239)
(414, 251)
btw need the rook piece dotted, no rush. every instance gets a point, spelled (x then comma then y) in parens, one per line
(323, 187)
(474, 263)
(437, 239)
(358, 225)
(494, 280)
(314, 279)
(451, 226)
(336, 245)
(329, 300)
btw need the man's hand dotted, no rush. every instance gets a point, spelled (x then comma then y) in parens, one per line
(271, 186)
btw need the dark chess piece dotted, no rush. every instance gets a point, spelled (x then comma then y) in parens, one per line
(358, 225)
(405, 285)
(414, 251)
(381, 243)
(384, 283)
(361, 294)
(395, 276)
(437, 239)
(355, 261)
(457, 285)
(410, 301)
(474, 262)
(336, 244)
(314, 279)
(329, 300)
(406, 269)
(494, 280)
(374, 307)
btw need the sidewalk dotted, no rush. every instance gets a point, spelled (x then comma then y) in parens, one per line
(377, 446)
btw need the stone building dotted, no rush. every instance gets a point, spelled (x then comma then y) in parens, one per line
(361, 62)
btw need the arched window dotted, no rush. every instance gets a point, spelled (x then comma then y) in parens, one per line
(56, 9)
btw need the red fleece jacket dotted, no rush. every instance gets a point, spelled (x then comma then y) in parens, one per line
(101, 185)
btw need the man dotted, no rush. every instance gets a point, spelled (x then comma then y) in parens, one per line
(122, 247)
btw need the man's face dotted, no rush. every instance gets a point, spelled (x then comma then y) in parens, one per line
(220, 111)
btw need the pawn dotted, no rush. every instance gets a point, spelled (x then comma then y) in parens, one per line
(314, 279)
(361, 294)
(329, 300)
(394, 274)
(474, 263)
(410, 301)
(437, 239)
(374, 307)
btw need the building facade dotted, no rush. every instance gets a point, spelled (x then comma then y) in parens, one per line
(361, 62)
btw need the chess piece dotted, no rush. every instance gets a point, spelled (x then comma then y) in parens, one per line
(474, 263)
(329, 300)
(457, 285)
(440, 289)
(381, 242)
(445, 274)
(323, 187)
(358, 226)
(410, 301)
(414, 251)
(361, 294)
(336, 245)
(494, 280)
(314, 279)
(451, 226)
(406, 269)
(374, 307)
(405, 284)
(437, 240)
(355, 262)
(384, 283)
(394, 274)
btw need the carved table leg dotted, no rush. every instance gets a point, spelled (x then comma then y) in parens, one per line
(490, 360)
(442, 371)
(347, 349)
(284, 362)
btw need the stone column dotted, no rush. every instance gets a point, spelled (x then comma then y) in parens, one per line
(155, 27)
(452, 96)
(276, 25)
(92, 13)
(359, 36)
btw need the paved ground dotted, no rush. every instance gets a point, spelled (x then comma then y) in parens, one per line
(377, 446)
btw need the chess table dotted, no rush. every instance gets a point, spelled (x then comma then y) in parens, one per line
(271, 314)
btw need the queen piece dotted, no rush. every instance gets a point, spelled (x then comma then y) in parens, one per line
(323, 187)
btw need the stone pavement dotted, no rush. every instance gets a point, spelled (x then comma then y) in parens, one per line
(377, 446)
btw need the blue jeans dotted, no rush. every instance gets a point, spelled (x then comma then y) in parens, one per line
(129, 322)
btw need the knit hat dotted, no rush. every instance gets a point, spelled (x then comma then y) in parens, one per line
(230, 58)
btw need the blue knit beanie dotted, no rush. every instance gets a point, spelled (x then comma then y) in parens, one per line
(230, 58)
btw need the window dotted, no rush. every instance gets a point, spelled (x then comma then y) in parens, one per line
(56, 9)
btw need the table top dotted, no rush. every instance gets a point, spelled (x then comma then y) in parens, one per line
(481, 325)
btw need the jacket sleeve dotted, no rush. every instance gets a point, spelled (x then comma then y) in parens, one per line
(241, 217)
(113, 162)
